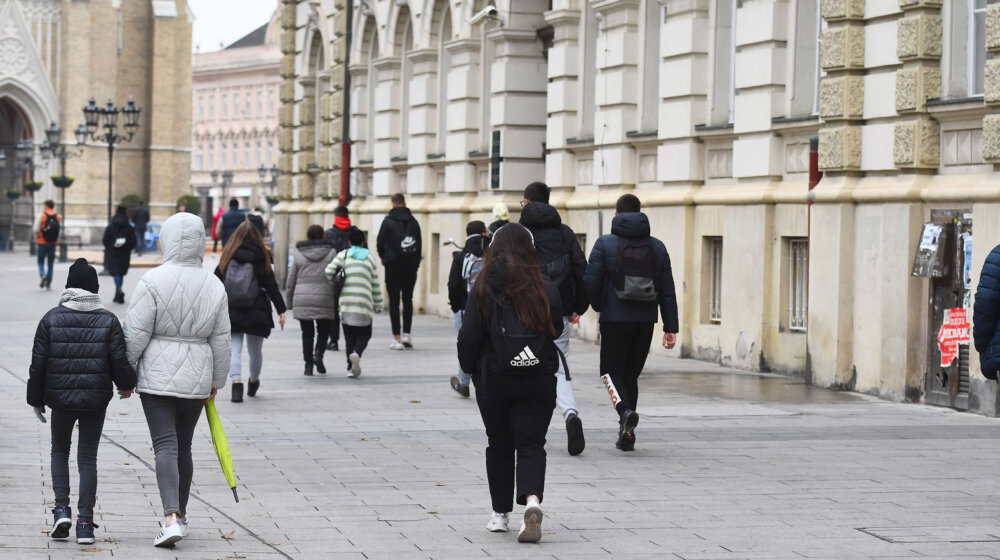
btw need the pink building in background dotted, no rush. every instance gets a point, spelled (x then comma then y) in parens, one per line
(235, 119)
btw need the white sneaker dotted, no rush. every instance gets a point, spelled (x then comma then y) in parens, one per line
(498, 523)
(396, 345)
(531, 529)
(406, 340)
(355, 365)
(169, 535)
(184, 525)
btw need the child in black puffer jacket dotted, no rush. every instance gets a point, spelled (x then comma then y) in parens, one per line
(79, 352)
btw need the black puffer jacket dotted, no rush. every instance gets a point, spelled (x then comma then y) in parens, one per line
(457, 284)
(76, 357)
(257, 319)
(560, 253)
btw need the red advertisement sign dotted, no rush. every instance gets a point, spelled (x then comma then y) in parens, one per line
(954, 331)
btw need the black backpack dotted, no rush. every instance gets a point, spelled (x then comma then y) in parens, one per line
(50, 228)
(409, 241)
(241, 285)
(516, 349)
(635, 277)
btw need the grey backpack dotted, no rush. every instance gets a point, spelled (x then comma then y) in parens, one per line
(241, 285)
(635, 279)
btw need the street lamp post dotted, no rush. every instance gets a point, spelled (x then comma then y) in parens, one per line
(107, 118)
(55, 147)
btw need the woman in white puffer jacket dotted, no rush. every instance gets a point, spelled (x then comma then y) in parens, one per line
(177, 330)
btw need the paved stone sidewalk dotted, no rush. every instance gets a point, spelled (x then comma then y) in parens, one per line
(727, 465)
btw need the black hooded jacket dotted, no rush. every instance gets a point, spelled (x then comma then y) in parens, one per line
(560, 253)
(119, 258)
(76, 357)
(457, 291)
(604, 263)
(391, 235)
(257, 319)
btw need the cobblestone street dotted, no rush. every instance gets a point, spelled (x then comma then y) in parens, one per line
(727, 465)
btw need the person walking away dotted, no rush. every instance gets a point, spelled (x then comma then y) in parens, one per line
(512, 318)
(360, 297)
(465, 268)
(501, 217)
(140, 218)
(230, 221)
(245, 269)
(310, 295)
(119, 240)
(338, 234)
(177, 330)
(627, 279)
(565, 263)
(78, 353)
(215, 230)
(399, 247)
(48, 226)
(986, 316)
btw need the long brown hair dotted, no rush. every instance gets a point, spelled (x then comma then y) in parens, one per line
(242, 233)
(512, 257)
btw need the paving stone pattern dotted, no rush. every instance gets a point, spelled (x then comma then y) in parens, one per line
(727, 465)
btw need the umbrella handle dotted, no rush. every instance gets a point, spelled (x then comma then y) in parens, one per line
(235, 495)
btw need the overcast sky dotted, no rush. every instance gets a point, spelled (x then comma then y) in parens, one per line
(224, 21)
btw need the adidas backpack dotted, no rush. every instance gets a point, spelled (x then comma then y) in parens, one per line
(516, 349)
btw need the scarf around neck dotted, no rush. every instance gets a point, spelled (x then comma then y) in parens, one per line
(80, 300)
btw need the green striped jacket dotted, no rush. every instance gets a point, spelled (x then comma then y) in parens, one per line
(362, 294)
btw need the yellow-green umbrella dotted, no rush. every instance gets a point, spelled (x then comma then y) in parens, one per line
(221, 445)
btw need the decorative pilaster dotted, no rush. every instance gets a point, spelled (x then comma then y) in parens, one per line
(286, 96)
(385, 180)
(562, 97)
(991, 123)
(617, 96)
(916, 139)
(842, 90)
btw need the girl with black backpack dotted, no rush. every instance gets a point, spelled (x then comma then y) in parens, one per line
(245, 269)
(512, 319)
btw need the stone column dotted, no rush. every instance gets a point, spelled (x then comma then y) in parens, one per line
(916, 142)
(842, 91)
(385, 180)
(562, 97)
(991, 123)
(422, 125)
(463, 114)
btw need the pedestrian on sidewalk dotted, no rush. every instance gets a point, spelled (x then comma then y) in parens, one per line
(501, 217)
(360, 297)
(310, 296)
(229, 221)
(339, 235)
(465, 268)
(564, 262)
(399, 247)
(177, 330)
(245, 269)
(119, 240)
(48, 226)
(216, 235)
(140, 217)
(628, 279)
(79, 351)
(512, 319)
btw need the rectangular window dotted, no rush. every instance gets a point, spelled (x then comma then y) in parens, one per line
(224, 154)
(257, 153)
(201, 107)
(236, 105)
(246, 155)
(270, 103)
(260, 103)
(797, 290)
(246, 106)
(235, 148)
(225, 106)
(211, 156)
(724, 63)
(977, 46)
(713, 278)
(198, 161)
(270, 152)
(211, 107)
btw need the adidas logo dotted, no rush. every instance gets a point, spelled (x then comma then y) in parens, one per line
(525, 359)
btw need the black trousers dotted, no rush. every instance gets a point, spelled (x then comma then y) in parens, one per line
(309, 332)
(624, 348)
(356, 340)
(399, 281)
(516, 411)
(91, 426)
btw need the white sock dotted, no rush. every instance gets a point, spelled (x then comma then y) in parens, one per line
(532, 501)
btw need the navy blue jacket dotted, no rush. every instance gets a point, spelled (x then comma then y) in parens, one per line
(986, 314)
(603, 263)
(230, 221)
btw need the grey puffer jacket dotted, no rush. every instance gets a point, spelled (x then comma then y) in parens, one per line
(177, 325)
(309, 294)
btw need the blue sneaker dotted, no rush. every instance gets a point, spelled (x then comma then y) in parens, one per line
(85, 531)
(62, 520)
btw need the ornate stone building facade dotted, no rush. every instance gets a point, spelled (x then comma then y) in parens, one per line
(235, 112)
(54, 56)
(705, 110)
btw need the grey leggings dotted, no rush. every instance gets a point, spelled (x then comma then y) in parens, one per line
(91, 425)
(171, 426)
(255, 345)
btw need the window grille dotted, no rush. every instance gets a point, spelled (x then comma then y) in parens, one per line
(715, 279)
(798, 257)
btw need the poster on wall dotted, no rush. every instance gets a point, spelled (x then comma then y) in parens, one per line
(931, 260)
(954, 332)
(967, 266)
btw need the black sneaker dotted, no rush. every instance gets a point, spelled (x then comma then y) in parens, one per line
(85, 531)
(318, 360)
(62, 520)
(574, 434)
(333, 345)
(237, 392)
(626, 431)
(308, 370)
(252, 387)
(459, 388)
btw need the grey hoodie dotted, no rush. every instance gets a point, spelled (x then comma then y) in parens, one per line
(309, 294)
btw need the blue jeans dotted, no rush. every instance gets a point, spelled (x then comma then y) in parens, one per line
(46, 253)
(463, 378)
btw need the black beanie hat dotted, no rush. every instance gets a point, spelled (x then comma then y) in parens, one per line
(83, 276)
